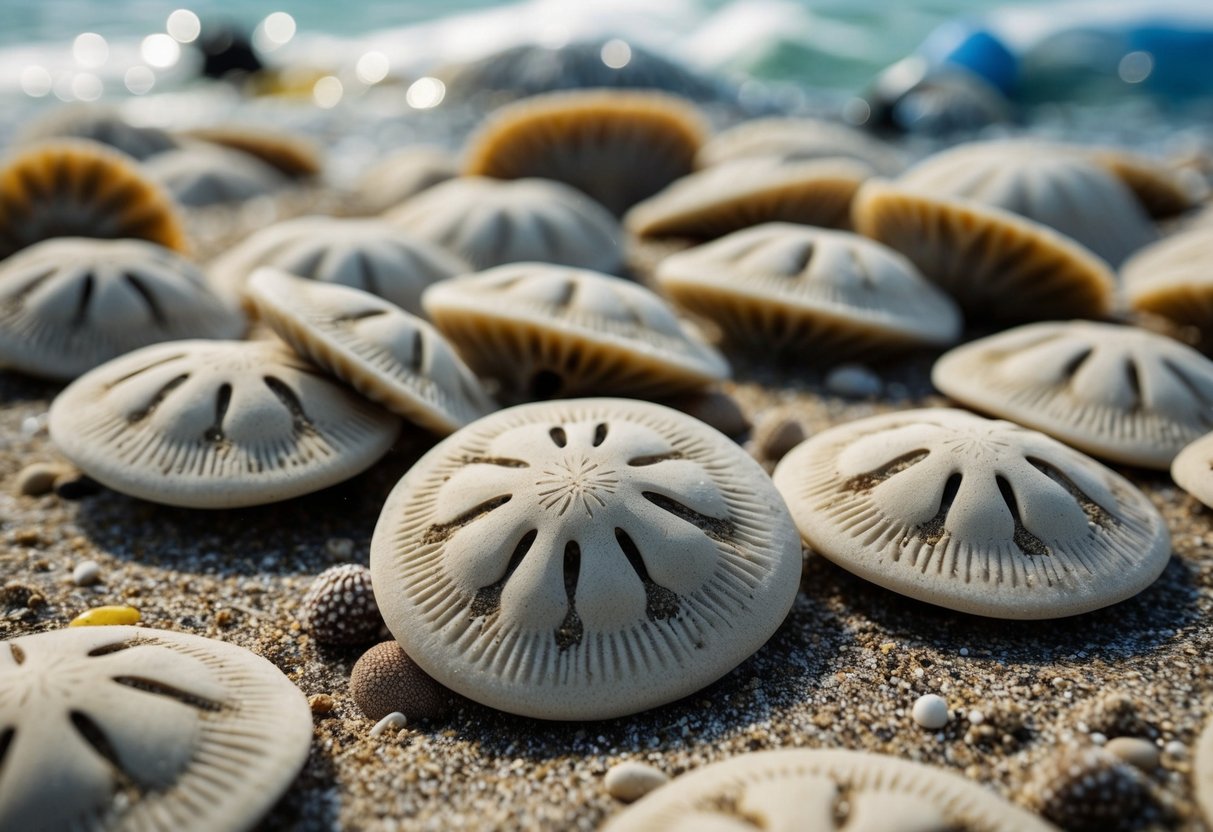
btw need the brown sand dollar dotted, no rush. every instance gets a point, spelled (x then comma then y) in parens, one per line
(799, 140)
(583, 559)
(1192, 469)
(380, 350)
(217, 424)
(488, 222)
(619, 147)
(1160, 190)
(291, 155)
(70, 303)
(1173, 279)
(789, 287)
(549, 330)
(199, 175)
(1117, 392)
(134, 728)
(735, 195)
(974, 515)
(78, 188)
(995, 264)
(802, 789)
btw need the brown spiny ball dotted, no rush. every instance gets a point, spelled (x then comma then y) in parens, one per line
(385, 680)
(1083, 789)
(340, 607)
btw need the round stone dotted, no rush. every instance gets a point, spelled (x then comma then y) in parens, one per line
(629, 781)
(385, 681)
(86, 573)
(931, 711)
(1135, 751)
(584, 559)
(853, 381)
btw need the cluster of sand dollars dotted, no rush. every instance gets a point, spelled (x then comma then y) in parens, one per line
(583, 558)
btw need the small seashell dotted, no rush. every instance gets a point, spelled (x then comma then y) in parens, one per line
(39, 478)
(631, 780)
(393, 721)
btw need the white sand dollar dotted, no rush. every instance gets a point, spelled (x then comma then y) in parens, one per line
(975, 515)
(1192, 469)
(583, 559)
(1116, 392)
(799, 139)
(1173, 279)
(798, 790)
(198, 175)
(380, 350)
(403, 174)
(71, 303)
(217, 424)
(125, 728)
(1202, 772)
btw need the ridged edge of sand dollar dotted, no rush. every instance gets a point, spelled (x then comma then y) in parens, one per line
(499, 565)
(1047, 532)
(1192, 469)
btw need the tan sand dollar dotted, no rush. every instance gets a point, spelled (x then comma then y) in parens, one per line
(126, 728)
(380, 350)
(1192, 469)
(553, 331)
(798, 790)
(290, 155)
(617, 146)
(217, 424)
(995, 264)
(728, 197)
(974, 515)
(367, 254)
(403, 174)
(198, 175)
(1054, 186)
(100, 124)
(789, 287)
(1118, 392)
(799, 139)
(488, 222)
(1173, 279)
(78, 188)
(1160, 189)
(71, 303)
(583, 559)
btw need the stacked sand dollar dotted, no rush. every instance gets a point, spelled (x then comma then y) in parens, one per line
(800, 789)
(973, 515)
(583, 559)
(792, 289)
(380, 350)
(198, 174)
(368, 254)
(1173, 279)
(133, 728)
(217, 424)
(1117, 392)
(617, 147)
(70, 304)
(404, 174)
(79, 188)
(547, 330)
(488, 222)
(799, 140)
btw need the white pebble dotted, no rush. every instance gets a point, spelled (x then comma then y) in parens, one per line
(1176, 749)
(1098, 738)
(394, 720)
(631, 780)
(853, 381)
(976, 717)
(931, 711)
(86, 573)
(1135, 751)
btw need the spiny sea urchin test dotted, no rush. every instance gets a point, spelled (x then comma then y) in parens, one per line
(198, 175)
(618, 147)
(791, 287)
(583, 559)
(367, 254)
(70, 304)
(217, 424)
(340, 608)
(133, 728)
(380, 350)
(1173, 279)
(1118, 392)
(818, 789)
(799, 140)
(974, 515)
(78, 188)
(553, 331)
(403, 174)
(489, 222)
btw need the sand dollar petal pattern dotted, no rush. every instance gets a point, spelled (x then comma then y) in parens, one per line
(583, 559)
(1192, 469)
(79, 188)
(974, 515)
(787, 287)
(489, 222)
(198, 175)
(377, 348)
(549, 330)
(1118, 392)
(71, 303)
(130, 728)
(800, 789)
(217, 424)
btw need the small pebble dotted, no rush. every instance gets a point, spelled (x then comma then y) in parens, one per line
(107, 615)
(778, 437)
(322, 703)
(1176, 750)
(632, 780)
(394, 720)
(339, 548)
(853, 381)
(340, 607)
(1136, 752)
(86, 573)
(385, 680)
(39, 478)
(931, 711)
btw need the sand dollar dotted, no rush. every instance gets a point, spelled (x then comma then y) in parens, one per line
(1202, 772)
(403, 174)
(975, 515)
(217, 424)
(1192, 469)
(1173, 279)
(1117, 392)
(583, 559)
(797, 790)
(100, 124)
(127, 728)
(291, 155)
(799, 139)
(198, 175)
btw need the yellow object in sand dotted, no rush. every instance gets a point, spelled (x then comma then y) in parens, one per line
(110, 614)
